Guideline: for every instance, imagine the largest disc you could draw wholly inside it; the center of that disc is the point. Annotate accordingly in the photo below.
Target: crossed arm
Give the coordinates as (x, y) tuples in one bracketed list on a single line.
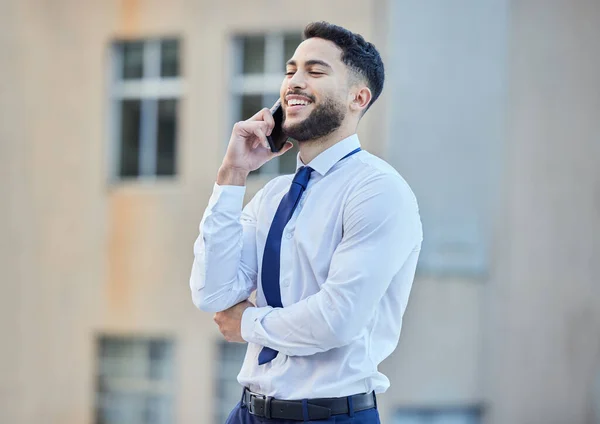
[(381, 230)]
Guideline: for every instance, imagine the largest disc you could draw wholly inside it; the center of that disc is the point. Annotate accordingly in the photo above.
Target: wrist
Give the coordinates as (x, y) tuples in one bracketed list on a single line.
[(230, 175)]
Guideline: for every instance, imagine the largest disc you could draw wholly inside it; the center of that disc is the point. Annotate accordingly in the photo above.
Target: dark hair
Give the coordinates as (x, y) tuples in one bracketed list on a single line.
[(359, 55)]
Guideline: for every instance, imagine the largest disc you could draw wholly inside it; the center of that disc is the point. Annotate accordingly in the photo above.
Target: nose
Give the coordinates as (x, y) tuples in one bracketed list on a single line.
[(297, 81)]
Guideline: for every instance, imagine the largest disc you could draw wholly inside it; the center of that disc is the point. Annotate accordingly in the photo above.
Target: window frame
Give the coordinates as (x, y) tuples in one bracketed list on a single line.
[(230, 358), (141, 386), (149, 90)]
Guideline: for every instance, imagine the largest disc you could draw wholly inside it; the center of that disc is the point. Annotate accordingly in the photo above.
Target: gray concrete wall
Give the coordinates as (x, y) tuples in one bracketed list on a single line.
[(543, 334), (446, 102)]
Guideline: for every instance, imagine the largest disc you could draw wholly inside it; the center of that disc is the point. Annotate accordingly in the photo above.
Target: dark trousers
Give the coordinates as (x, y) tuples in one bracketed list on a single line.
[(240, 415)]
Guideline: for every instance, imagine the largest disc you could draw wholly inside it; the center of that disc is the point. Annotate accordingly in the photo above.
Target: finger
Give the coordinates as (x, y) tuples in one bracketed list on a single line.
[(246, 127), (261, 136), (252, 131), (270, 123), (261, 115), (264, 115), (259, 132)]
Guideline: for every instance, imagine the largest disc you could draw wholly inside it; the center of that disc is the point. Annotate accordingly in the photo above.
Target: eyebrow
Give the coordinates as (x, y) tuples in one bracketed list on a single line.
[(310, 63)]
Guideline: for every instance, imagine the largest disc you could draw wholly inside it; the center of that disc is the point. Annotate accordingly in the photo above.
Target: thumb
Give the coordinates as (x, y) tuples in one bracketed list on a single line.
[(287, 146)]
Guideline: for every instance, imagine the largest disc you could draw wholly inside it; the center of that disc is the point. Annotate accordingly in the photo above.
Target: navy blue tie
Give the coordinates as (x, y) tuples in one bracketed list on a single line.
[(272, 255)]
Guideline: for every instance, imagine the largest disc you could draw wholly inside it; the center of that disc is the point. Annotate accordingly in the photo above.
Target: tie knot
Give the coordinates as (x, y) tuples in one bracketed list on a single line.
[(302, 176)]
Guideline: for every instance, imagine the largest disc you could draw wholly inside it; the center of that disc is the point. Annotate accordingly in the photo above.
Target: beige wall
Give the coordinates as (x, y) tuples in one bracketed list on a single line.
[(84, 257), (12, 216)]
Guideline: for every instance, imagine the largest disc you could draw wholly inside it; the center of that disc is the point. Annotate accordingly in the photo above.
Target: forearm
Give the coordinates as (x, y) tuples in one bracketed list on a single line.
[(302, 329), (329, 319)]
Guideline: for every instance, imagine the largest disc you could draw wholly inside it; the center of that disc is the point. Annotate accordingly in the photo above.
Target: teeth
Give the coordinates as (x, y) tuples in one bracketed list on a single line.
[(295, 102)]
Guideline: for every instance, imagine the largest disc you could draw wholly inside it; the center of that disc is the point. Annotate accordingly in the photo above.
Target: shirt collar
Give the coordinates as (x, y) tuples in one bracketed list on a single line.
[(325, 160)]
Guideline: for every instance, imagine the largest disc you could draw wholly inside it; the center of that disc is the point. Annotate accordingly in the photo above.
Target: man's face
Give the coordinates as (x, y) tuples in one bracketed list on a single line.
[(315, 90)]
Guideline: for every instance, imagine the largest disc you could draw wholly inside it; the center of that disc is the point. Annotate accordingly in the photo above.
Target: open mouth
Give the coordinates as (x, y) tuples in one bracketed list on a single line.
[(294, 105)]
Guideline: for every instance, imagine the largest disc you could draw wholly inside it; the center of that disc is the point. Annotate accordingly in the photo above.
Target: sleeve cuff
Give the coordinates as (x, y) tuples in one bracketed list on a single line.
[(250, 319), (230, 198)]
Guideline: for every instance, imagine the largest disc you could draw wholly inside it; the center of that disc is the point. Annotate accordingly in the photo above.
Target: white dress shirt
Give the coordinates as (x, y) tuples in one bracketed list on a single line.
[(348, 259)]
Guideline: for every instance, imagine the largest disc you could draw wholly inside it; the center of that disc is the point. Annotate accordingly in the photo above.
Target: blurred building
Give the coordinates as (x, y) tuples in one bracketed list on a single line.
[(115, 116)]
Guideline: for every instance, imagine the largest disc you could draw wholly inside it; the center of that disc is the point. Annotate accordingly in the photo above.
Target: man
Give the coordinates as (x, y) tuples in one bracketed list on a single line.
[(332, 252)]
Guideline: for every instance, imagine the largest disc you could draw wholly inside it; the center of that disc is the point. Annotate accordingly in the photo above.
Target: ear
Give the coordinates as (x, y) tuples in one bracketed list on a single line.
[(361, 97)]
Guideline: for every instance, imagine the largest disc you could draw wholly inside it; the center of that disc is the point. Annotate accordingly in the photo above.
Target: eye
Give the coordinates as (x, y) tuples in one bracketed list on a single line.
[(317, 73), (289, 73)]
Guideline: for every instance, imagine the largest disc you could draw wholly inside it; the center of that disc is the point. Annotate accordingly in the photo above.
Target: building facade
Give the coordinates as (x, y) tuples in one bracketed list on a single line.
[(115, 117)]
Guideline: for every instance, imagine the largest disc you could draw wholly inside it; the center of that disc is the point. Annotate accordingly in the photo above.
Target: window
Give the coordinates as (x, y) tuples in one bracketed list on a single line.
[(438, 416), (135, 381), (259, 68), (229, 391), (145, 92)]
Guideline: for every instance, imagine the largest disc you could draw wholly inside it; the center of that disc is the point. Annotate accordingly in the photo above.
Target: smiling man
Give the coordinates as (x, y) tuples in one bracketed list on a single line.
[(331, 251)]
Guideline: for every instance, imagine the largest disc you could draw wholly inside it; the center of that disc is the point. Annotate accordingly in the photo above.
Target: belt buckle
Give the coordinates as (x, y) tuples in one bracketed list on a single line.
[(254, 396)]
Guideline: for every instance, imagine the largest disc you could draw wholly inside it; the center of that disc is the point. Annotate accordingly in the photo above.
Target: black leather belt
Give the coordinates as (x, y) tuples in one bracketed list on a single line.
[(318, 409)]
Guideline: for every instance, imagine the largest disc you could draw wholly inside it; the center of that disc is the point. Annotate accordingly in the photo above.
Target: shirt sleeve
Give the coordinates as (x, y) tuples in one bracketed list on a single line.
[(381, 230), (225, 264)]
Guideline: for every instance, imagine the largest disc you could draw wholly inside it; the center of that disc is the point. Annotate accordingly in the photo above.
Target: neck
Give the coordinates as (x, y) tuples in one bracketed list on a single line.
[(310, 149)]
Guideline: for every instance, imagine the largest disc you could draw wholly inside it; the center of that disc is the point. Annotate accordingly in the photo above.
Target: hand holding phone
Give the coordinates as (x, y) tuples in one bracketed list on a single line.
[(254, 142), (277, 139)]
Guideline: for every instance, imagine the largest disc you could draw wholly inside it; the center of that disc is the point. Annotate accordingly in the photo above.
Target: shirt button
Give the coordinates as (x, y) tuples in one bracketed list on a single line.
[(289, 235), (285, 282)]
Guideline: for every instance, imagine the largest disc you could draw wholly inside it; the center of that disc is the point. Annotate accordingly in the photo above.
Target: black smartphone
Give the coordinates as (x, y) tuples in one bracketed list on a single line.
[(277, 138)]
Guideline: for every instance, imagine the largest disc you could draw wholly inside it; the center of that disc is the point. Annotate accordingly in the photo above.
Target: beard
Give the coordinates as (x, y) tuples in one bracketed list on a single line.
[(322, 121)]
